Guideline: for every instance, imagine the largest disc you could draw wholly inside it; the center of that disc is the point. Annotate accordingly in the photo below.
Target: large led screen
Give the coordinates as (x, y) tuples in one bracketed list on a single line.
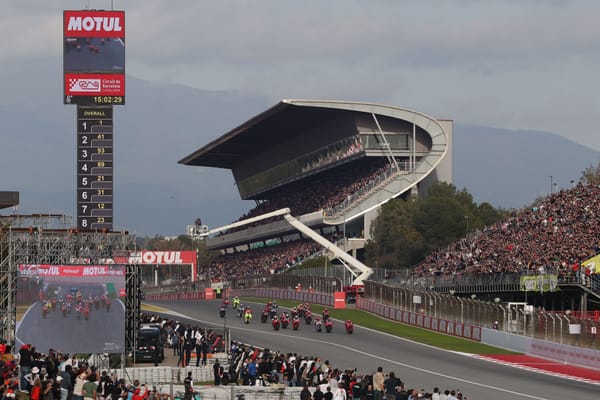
[(71, 308), (94, 57)]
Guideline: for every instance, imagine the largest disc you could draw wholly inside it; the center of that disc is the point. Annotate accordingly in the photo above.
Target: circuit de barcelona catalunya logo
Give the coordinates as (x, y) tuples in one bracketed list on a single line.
[(80, 85)]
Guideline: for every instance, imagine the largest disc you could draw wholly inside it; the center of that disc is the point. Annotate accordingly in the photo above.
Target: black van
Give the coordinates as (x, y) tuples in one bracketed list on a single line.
[(149, 345)]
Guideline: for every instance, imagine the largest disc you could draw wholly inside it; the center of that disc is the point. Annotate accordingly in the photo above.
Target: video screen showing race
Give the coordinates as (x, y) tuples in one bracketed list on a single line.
[(94, 55), (71, 308)]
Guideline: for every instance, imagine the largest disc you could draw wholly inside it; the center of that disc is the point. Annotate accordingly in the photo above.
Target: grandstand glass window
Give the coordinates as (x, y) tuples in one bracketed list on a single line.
[(337, 152), (397, 141)]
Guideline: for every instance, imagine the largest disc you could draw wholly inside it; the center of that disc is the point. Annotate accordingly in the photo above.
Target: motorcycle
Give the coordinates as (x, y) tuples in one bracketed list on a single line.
[(64, 310), (222, 312), (349, 327), (318, 326), (325, 315), (86, 313), (328, 326), (284, 323), (295, 324), (240, 312), (247, 318), (264, 316), (44, 311), (308, 318), (275, 324)]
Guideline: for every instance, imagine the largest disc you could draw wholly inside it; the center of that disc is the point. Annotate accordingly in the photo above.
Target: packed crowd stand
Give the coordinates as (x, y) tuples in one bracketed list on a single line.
[(54, 376), (321, 191), (262, 261), (552, 237)]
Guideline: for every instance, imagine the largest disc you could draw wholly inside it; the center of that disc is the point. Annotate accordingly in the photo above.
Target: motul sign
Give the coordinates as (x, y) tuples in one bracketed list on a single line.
[(163, 257), (94, 23)]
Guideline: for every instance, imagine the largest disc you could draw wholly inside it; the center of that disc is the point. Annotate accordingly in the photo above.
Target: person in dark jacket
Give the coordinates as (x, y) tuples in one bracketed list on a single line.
[(305, 393)]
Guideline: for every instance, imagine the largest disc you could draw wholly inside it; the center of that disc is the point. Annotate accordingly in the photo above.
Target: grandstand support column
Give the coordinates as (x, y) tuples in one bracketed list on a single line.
[(583, 302), (390, 155), (365, 272)]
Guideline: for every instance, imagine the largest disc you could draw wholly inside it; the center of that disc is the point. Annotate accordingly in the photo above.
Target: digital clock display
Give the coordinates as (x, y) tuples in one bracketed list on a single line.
[(94, 167), (95, 100)]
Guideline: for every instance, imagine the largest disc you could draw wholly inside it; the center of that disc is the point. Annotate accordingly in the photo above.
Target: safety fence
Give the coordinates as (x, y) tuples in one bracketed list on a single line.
[(461, 313), (450, 327), (304, 297)]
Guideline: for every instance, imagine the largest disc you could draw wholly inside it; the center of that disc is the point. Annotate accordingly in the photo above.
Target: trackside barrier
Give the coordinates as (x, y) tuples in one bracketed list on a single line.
[(177, 296), (421, 320), (312, 298)]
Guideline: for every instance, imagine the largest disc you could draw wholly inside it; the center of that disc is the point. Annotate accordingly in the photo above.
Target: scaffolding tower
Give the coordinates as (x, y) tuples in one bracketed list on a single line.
[(47, 239)]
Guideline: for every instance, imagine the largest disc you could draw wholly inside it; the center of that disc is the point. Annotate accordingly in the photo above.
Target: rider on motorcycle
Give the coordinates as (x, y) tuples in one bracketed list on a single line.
[(328, 325), (236, 302), (285, 319), (275, 323), (308, 317), (247, 315), (349, 326), (318, 325), (325, 314), (295, 322)]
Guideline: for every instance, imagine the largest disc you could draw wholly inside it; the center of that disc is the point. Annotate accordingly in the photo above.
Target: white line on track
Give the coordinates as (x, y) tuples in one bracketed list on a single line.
[(511, 392)]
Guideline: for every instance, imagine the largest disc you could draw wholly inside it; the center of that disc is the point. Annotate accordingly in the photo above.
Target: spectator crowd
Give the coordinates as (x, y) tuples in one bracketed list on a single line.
[(554, 236), (321, 379), (261, 261), (321, 191), (56, 376)]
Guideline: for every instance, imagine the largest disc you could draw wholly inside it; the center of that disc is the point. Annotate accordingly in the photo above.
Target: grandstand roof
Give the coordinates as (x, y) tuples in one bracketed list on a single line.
[(9, 199), (286, 119), (275, 125)]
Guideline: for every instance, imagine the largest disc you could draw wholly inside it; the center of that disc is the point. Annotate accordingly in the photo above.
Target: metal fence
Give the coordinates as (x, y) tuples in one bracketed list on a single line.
[(517, 318)]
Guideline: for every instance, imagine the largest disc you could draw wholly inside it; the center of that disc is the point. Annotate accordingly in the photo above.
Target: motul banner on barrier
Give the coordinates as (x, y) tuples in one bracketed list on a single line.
[(69, 270)]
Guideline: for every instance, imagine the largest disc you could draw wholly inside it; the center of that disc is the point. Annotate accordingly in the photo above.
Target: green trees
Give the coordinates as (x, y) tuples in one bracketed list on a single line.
[(591, 175), (406, 230)]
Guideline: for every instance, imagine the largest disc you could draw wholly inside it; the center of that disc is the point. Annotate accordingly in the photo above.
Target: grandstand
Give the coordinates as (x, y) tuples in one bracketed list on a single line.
[(9, 199), (333, 164)]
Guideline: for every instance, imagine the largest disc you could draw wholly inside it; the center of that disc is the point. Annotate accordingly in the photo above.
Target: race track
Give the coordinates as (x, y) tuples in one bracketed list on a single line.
[(418, 365)]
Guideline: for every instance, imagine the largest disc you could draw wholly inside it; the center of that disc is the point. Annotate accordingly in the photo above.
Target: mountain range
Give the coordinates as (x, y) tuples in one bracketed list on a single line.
[(162, 123)]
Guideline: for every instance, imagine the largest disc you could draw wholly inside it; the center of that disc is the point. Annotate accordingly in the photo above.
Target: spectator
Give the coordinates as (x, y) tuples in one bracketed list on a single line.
[(305, 393)]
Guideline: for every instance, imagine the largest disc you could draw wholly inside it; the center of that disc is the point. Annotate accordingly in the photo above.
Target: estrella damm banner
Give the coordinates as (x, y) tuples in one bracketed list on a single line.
[(539, 283)]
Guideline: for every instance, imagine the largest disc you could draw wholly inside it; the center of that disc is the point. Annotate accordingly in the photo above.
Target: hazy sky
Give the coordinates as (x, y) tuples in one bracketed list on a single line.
[(516, 64), (526, 64)]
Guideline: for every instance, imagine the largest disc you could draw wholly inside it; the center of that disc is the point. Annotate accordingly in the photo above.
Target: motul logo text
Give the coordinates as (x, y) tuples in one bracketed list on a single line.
[(94, 24)]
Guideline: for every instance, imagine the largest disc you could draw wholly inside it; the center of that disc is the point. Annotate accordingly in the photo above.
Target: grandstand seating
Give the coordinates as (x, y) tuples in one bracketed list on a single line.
[(260, 261), (553, 236), (325, 190)]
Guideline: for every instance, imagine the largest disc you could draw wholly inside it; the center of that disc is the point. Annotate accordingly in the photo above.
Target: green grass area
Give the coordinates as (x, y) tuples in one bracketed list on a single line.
[(363, 318)]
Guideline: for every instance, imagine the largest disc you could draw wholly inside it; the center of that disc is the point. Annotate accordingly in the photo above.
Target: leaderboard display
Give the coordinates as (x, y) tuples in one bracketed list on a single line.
[(94, 167)]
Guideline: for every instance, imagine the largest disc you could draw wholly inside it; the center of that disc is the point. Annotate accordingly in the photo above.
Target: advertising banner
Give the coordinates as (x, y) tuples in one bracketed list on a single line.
[(94, 57), (539, 283)]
